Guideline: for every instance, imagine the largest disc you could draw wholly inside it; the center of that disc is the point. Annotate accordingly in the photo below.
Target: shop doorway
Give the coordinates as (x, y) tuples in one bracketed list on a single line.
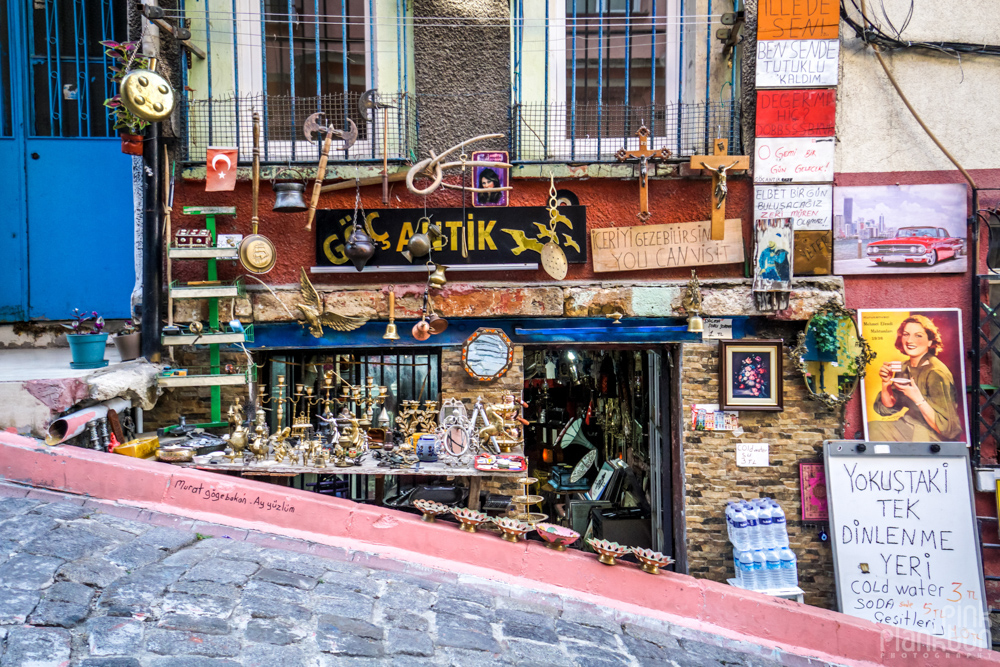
[(604, 433)]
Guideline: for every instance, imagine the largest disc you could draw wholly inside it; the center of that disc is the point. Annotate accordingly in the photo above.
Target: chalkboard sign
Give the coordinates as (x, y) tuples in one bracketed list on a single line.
[(905, 545)]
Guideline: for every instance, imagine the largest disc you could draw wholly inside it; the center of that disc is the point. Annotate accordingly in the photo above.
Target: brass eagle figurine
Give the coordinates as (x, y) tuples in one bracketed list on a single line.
[(316, 317)]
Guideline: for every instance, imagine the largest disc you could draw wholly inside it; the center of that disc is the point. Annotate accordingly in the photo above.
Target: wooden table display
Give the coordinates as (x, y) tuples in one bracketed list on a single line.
[(367, 467)]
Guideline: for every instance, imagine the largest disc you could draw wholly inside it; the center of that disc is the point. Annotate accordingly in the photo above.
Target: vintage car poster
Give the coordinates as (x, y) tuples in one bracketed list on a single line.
[(914, 387), (879, 229)]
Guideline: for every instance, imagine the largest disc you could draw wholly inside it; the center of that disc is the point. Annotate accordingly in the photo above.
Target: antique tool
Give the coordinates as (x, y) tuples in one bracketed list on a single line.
[(554, 257), (437, 279), (644, 155), (315, 316), (421, 243), (312, 131), (434, 161), (257, 254), (147, 94), (288, 198), (369, 102), (390, 331)]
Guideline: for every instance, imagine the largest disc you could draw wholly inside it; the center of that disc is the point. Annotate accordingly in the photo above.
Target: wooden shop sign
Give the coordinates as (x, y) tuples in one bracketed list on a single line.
[(796, 113), (665, 246), (511, 235)]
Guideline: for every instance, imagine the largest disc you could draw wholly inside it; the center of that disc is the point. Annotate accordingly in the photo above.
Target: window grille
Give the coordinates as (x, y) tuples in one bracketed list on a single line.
[(287, 59)]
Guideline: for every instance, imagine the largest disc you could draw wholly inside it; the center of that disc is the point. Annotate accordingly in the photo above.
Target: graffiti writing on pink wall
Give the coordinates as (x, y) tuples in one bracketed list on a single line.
[(238, 498)]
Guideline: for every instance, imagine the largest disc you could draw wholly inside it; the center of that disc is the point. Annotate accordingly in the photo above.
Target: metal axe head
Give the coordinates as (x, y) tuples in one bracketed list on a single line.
[(349, 136)]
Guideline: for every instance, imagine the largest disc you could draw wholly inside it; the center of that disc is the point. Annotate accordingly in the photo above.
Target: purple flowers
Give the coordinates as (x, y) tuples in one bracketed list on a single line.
[(85, 323), (751, 378)]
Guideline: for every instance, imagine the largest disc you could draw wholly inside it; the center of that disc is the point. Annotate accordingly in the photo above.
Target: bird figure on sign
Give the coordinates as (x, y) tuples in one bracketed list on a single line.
[(315, 316)]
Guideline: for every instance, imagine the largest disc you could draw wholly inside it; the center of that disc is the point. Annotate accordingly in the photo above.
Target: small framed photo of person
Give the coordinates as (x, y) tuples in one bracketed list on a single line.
[(490, 177), (750, 375)]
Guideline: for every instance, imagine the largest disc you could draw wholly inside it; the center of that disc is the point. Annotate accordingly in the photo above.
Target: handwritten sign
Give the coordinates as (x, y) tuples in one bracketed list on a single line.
[(665, 246), (904, 538), (251, 501), (796, 113), (717, 328), (798, 63), (793, 160), (809, 206), (798, 19), (753, 454)]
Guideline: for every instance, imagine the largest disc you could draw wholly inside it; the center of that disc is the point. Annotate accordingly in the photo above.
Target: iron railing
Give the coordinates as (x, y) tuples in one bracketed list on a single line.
[(594, 133), (390, 132)]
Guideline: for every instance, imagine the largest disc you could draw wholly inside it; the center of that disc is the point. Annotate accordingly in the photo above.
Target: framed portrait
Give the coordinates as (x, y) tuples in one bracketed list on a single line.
[(490, 177), (914, 387), (750, 375)]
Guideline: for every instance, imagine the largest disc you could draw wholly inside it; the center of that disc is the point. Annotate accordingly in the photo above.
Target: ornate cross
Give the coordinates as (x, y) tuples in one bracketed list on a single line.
[(719, 164), (644, 155)]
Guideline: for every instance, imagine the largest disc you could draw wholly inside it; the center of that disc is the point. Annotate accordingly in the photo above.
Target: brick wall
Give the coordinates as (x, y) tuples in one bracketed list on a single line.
[(192, 402), (712, 477)]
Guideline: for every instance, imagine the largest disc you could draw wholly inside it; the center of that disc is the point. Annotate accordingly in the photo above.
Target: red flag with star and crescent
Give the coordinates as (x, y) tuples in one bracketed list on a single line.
[(221, 174)]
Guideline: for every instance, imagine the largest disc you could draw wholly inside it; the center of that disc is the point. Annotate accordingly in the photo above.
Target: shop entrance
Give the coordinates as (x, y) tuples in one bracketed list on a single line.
[(601, 429)]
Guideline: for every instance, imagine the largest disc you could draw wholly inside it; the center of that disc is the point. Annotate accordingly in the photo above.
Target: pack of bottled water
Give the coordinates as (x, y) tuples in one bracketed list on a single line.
[(759, 535)]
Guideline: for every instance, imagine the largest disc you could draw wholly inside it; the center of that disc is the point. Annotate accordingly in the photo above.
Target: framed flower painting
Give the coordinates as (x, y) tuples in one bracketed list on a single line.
[(750, 375)]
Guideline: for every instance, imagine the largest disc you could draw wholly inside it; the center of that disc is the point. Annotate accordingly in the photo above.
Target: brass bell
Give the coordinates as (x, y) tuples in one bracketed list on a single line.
[(288, 198), (422, 330), (391, 332), (695, 324), (437, 279)]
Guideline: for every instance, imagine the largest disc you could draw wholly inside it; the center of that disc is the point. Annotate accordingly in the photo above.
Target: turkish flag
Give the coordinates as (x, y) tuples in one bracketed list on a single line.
[(221, 169)]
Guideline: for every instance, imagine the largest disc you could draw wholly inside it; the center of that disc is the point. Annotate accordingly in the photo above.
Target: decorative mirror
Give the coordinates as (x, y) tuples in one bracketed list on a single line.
[(487, 355), (832, 354)]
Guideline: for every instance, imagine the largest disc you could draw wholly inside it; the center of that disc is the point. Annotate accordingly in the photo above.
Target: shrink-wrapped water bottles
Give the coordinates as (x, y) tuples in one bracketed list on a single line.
[(758, 533)]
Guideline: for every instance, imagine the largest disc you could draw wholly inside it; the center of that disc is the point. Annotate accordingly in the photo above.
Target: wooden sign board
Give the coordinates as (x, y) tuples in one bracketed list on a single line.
[(809, 206), (796, 113), (813, 253), (793, 160), (798, 63), (798, 19), (665, 246), (905, 543)]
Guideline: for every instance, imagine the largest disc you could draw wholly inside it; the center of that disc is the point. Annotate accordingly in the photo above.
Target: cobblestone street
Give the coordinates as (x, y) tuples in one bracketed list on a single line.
[(83, 587)]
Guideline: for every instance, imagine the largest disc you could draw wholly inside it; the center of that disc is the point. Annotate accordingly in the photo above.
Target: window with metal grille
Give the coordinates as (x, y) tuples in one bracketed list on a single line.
[(589, 73), (287, 59)]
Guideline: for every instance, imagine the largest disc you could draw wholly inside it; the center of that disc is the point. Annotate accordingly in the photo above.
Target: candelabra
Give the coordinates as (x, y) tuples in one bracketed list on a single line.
[(302, 398), (277, 399)]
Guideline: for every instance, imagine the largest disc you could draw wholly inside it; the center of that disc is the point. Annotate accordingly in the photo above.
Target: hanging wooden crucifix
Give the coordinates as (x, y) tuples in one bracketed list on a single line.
[(719, 164), (644, 155)]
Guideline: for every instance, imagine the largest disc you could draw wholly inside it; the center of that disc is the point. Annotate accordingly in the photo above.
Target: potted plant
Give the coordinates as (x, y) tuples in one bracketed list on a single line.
[(87, 340), (123, 54), (127, 341)]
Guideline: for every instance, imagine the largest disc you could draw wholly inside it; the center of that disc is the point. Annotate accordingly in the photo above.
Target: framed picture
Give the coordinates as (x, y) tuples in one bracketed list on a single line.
[(601, 482), (812, 476), (892, 229), (750, 375), (490, 177), (914, 388)]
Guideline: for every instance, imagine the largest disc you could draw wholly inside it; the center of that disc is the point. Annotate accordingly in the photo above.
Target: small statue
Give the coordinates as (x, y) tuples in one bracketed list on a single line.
[(692, 296), (721, 187)]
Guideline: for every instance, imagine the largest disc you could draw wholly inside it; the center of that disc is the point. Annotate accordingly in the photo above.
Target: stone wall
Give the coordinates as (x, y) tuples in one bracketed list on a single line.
[(712, 477)]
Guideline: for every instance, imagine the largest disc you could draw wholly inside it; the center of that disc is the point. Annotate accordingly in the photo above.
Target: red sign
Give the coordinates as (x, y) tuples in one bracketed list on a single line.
[(796, 113), (220, 172), (798, 19)]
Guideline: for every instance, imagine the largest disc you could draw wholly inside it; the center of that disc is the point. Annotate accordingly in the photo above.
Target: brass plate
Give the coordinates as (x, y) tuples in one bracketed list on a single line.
[(527, 500), (148, 95)]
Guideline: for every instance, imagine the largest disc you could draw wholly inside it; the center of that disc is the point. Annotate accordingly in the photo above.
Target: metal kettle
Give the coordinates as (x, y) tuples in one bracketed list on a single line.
[(359, 247), (420, 244)]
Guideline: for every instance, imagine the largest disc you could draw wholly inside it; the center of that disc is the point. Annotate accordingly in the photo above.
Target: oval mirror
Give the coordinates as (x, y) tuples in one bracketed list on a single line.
[(832, 354)]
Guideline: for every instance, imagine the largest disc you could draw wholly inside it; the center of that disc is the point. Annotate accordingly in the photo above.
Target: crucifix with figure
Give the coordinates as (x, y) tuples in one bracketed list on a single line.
[(719, 164), (644, 155)]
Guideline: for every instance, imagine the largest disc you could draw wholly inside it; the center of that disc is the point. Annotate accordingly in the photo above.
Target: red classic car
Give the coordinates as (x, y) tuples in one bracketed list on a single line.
[(916, 245)]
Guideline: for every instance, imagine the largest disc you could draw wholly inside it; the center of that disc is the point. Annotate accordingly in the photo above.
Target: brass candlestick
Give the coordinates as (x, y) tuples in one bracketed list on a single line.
[(276, 399)]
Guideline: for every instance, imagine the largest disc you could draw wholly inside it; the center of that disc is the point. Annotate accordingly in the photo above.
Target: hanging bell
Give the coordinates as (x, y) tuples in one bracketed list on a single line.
[(422, 330), (437, 324), (391, 332), (359, 248), (288, 198), (437, 279), (696, 324)]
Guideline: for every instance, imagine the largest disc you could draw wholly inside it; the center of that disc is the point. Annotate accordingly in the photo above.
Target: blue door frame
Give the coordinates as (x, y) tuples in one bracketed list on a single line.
[(66, 211)]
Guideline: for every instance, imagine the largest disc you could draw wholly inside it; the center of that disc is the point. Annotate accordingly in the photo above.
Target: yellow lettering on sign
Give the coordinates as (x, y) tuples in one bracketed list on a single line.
[(336, 255), (484, 235), (453, 231), (472, 232), (404, 236)]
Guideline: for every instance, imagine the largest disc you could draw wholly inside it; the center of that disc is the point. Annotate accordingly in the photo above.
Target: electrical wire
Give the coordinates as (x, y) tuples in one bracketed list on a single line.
[(871, 33)]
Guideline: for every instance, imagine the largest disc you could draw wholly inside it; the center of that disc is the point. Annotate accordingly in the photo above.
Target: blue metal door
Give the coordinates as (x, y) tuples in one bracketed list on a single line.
[(66, 213)]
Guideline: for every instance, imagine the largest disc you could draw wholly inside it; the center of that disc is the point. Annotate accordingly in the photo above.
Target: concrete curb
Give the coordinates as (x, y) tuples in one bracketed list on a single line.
[(209, 500)]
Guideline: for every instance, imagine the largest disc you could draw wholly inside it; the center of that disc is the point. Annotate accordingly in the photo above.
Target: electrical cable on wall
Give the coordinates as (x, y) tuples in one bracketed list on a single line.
[(873, 35)]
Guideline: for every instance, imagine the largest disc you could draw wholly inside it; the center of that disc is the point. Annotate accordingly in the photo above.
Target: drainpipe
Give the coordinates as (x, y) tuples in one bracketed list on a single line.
[(152, 246)]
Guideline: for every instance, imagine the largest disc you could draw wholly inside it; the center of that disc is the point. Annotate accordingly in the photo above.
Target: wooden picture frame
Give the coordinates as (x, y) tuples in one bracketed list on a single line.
[(751, 375), (487, 354)]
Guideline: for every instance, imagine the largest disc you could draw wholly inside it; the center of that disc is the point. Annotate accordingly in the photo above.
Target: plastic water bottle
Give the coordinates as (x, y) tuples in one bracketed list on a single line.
[(759, 570), (772, 563), (765, 524), (730, 506), (779, 529), (740, 538), (753, 529), (736, 567), (748, 579), (789, 568)]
